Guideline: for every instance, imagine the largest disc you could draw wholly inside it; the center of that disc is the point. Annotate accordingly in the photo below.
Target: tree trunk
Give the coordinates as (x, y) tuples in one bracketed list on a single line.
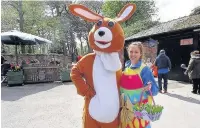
[(79, 37), (88, 46), (89, 49)]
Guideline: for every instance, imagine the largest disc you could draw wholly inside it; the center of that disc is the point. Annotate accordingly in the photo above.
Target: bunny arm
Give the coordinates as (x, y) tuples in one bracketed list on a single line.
[(76, 76), (83, 70), (79, 72)]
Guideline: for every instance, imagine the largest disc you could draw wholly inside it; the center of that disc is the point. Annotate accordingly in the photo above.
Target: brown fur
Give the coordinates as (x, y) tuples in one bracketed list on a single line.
[(81, 73)]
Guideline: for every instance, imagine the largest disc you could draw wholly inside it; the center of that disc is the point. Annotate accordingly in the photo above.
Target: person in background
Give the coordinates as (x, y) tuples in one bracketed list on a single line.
[(3, 60), (154, 70), (193, 71), (78, 58), (5, 67), (163, 64)]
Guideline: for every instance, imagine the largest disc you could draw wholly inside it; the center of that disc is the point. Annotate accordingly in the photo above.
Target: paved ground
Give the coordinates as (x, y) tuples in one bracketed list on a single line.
[(57, 105), (182, 108)]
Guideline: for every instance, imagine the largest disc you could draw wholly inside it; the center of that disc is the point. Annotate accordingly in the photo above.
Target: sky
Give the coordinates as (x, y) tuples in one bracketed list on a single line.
[(173, 9)]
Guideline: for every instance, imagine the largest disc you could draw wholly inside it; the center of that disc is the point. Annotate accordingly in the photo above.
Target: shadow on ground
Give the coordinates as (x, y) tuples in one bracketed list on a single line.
[(18, 92), (187, 99)]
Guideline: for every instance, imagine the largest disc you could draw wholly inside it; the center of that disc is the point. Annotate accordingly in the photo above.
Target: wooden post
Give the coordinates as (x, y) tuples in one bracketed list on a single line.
[(16, 54)]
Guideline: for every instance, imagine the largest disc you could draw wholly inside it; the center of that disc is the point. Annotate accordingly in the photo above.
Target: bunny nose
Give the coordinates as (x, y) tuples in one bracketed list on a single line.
[(101, 33)]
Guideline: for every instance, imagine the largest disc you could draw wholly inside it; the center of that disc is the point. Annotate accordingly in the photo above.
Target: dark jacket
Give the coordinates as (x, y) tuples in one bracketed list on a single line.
[(163, 61), (193, 69)]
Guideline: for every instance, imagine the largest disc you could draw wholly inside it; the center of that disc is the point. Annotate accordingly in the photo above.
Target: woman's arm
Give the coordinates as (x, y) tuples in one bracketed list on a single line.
[(147, 76), (190, 66)]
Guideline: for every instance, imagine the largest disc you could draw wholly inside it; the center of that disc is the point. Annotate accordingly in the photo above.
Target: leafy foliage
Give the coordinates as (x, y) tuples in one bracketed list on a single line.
[(52, 20), (141, 19)]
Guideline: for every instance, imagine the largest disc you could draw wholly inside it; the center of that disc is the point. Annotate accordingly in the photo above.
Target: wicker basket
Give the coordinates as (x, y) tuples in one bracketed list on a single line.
[(147, 111)]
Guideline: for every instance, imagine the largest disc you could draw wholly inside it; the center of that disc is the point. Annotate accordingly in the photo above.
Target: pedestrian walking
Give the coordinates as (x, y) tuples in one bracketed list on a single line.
[(163, 64)]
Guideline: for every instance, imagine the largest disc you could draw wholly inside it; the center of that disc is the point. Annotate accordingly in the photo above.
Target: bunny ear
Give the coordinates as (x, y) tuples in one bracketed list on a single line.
[(126, 12), (85, 13)]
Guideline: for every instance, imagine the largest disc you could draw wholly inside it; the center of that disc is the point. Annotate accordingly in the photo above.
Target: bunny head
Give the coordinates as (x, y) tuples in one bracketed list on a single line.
[(107, 34)]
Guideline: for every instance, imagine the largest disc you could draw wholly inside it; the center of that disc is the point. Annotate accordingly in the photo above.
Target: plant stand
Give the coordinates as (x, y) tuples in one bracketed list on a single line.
[(65, 75), (15, 78)]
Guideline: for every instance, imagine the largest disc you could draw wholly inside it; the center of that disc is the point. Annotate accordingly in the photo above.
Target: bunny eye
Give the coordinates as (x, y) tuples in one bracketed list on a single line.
[(99, 23), (111, 23)]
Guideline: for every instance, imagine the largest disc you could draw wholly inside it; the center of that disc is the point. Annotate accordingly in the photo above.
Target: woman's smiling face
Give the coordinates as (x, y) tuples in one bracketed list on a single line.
[(134, 53)]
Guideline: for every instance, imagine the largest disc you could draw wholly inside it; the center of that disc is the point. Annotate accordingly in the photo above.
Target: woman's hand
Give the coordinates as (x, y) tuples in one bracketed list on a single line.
[(148, 87), (90, 93), (185, 73)]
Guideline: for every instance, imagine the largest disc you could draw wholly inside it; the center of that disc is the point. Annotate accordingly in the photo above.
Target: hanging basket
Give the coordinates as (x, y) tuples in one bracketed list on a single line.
[(149, 112)]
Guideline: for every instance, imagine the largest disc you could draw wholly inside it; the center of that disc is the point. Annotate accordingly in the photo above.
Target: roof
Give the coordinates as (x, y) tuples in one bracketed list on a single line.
[(173, 25)]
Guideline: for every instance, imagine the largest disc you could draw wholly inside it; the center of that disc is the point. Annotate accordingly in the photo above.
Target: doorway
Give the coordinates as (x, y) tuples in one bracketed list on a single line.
[(178, 54)]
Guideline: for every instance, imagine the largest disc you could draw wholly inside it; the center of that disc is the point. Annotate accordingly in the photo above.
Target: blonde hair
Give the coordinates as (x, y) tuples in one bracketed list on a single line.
[(140, 46)]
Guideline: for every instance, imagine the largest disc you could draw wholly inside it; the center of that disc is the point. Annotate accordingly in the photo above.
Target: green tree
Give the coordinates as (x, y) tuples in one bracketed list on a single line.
[(141, 19), (29, 17), (81, 27), (195, 11)]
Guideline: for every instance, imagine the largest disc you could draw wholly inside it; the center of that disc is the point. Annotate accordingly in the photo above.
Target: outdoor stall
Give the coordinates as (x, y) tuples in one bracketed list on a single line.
[(36, 68)]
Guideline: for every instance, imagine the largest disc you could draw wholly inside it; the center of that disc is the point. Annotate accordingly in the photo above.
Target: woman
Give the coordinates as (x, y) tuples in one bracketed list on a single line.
[(136, 78), (193, 71)]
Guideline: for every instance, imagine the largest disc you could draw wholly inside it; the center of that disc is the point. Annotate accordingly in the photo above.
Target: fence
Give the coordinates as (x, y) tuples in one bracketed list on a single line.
[(41, 73)]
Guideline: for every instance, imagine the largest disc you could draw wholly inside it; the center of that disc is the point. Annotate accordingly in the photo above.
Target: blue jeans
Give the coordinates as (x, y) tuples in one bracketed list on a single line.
[(148, 126), (165, 78)]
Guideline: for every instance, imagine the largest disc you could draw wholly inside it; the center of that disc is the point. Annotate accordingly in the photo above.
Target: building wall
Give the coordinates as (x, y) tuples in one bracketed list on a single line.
[(178, 54), (149, 53)]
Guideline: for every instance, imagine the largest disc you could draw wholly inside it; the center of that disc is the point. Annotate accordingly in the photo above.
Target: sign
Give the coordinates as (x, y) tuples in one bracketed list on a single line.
[(186, 41)]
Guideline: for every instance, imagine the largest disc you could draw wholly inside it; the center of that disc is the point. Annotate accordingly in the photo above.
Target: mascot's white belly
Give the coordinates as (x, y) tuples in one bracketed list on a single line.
[(104, 106)]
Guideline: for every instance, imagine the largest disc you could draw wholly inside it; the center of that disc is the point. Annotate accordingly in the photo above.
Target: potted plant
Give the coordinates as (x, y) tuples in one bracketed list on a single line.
[(65, 73), (15, 76)]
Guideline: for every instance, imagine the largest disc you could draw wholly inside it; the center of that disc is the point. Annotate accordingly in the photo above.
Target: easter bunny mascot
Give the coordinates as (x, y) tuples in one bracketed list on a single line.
[(96, 75)]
